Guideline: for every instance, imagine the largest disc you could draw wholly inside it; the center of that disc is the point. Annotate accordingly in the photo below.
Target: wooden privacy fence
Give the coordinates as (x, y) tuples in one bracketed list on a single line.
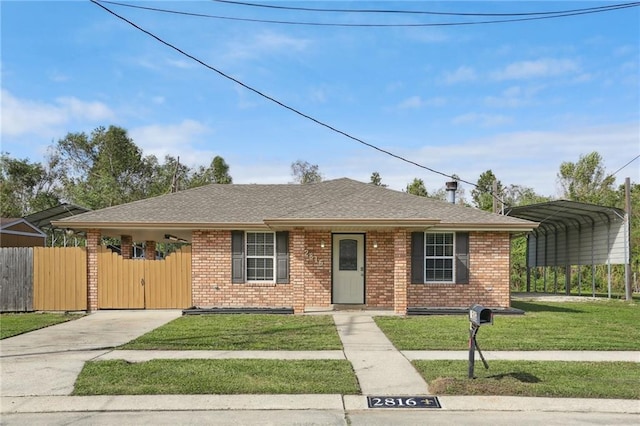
[(60, 278), (55, 279), (16, 280), (144, 284)]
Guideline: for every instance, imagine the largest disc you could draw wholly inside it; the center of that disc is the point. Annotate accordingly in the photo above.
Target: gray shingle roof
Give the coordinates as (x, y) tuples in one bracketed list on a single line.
[(339, 199)]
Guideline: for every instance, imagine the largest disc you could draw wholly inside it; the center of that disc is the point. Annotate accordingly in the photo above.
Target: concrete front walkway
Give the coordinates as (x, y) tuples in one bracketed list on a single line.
[(380, 368)]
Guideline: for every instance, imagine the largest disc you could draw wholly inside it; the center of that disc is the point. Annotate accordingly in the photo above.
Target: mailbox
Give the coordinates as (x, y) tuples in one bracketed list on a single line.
[(479, 315)]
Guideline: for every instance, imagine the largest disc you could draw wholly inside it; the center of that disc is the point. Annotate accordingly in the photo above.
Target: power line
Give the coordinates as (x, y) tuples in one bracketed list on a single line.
[(547, 15), (630, 161), (259, 93), (415, 12)]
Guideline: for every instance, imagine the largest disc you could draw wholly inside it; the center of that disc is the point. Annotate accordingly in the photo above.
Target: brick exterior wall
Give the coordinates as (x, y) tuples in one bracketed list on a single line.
[(388, 269), (211, 276), (317, 268), (126, 246), (380, 269), (488, 277), (150, 250), (93, 241)]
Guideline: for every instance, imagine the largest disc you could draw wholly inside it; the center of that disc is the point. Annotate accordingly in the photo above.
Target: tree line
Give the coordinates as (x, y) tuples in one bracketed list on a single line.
[(106, 168), (102, 169)]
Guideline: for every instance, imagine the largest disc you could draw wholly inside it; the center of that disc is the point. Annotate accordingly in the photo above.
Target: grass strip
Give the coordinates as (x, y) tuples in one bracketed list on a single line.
[(14, 324), (534, 378), (242, 332), (224, 377), (601, 325)]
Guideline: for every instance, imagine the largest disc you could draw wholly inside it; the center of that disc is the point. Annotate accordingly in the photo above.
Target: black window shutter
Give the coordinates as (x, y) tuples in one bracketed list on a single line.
[(282, 257), (417, 257), (237, 257), (462, 258)]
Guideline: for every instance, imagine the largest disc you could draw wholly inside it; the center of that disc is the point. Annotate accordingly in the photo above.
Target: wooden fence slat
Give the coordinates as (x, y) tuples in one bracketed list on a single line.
[(16, 279)]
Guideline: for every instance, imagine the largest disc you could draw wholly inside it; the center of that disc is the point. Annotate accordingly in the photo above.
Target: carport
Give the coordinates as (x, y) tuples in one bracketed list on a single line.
[(575, 234)]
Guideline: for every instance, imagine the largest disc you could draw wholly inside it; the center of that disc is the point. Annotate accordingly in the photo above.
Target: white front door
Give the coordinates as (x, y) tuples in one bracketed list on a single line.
[(348, 268)]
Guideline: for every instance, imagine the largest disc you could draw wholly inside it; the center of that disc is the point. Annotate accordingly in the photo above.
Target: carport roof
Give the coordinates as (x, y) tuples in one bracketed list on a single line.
[(565, 213), (43, 219)]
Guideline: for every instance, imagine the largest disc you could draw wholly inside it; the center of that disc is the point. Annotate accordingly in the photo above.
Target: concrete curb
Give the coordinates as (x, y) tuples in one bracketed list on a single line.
[(60, 404)]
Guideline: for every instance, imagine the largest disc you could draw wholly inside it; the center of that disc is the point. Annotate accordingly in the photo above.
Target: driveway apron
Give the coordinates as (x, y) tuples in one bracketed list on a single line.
[(48, 361)]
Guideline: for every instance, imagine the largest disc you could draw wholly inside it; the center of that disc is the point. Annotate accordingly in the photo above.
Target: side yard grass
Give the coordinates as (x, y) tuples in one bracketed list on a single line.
[(531, 378), (14, 324), (242, 332), (599, 326)]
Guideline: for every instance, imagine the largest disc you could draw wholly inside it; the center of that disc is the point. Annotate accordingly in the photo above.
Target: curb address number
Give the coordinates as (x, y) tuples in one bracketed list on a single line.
[(403, 402)]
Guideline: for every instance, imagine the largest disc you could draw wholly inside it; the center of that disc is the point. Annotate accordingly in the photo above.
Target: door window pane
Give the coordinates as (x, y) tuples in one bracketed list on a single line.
[(348, 255)]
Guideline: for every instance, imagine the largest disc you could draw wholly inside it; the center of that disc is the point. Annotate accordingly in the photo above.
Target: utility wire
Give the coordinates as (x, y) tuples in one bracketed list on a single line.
[(320, 24), (414, 12), (630, 161), (259, 93)]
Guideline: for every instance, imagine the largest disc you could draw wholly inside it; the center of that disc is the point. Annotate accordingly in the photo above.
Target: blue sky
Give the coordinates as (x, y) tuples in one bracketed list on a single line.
[(518, 98)]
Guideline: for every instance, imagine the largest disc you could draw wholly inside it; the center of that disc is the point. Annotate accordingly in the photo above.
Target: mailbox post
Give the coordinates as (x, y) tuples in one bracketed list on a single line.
[(478, 316)]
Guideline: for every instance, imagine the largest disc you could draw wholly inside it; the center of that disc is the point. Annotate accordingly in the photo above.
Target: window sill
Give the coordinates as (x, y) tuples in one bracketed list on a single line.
[(260, 284)]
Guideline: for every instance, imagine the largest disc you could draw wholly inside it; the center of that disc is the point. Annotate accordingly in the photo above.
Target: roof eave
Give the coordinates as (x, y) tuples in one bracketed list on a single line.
[(159, 225)]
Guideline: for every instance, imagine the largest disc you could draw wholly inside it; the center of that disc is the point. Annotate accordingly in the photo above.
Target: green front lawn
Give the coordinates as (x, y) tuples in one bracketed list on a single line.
[(599, 326), (242, 332), (529, 378), (14, 324), (224, 377)]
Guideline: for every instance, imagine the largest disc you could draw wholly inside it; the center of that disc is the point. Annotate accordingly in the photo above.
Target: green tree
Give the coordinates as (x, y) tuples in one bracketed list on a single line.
[(304, 173), (27, 187), (482, 193), (377, 180), (417, 188), (518, 195), (217, 172), (586, 181), (105, 168)]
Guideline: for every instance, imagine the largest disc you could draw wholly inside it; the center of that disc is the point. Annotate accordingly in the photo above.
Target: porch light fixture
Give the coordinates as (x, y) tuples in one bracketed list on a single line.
[(174, 238), (321, 243), (375, 244)]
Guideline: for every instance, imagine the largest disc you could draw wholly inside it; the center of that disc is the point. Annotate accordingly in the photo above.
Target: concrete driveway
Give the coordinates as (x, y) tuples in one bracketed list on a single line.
[(47, 361)]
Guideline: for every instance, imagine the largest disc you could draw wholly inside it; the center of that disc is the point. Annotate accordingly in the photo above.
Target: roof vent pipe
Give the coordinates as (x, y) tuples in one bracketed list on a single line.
[(451, 191)]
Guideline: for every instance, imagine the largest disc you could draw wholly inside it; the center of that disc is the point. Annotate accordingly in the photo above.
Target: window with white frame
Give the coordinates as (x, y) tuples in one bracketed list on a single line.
[(439, 257), (260, 252)]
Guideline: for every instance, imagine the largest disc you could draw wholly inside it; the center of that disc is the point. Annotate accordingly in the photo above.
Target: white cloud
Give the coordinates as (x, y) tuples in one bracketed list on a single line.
[(173, 139), (415, 102), (23, 116), (514, 97), (546, 67), (484, 120), (460, 75), (265, 43), (411, 103)]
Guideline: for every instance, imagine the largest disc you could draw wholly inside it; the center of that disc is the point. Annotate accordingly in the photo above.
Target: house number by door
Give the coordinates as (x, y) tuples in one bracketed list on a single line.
[(309, 255)]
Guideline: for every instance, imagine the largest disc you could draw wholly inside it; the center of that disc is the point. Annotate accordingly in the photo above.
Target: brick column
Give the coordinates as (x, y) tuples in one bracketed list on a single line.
[(93, 241), (400, 275), (150, 250), (126, 246), (296, 269)]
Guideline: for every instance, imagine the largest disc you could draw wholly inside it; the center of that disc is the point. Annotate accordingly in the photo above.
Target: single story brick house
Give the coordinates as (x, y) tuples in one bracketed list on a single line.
[(318, 245)]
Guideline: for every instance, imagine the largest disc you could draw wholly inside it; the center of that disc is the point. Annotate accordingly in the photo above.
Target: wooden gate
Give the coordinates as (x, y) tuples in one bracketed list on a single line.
[(144, 284), (59, 278)]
